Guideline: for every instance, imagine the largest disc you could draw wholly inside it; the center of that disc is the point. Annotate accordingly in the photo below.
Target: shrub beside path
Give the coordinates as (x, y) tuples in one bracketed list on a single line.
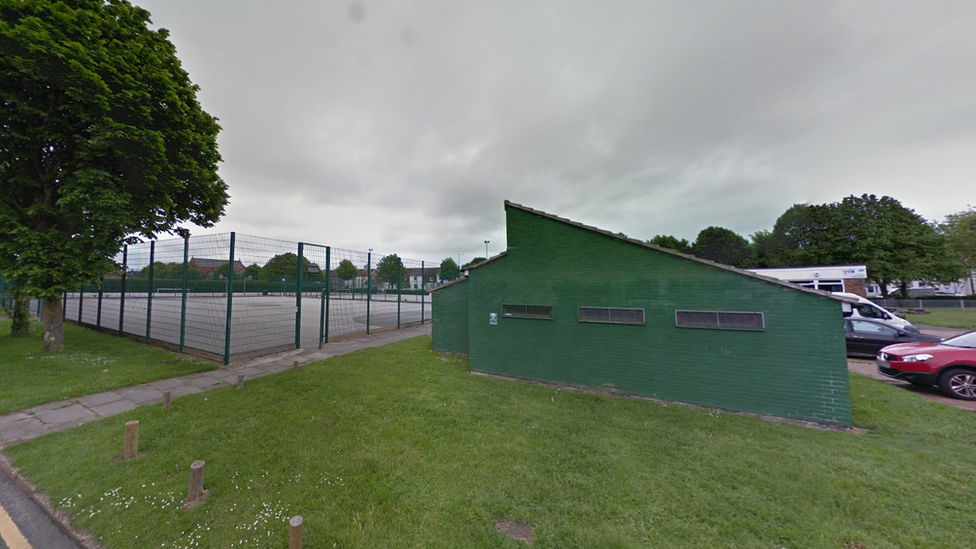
[(58, 416)]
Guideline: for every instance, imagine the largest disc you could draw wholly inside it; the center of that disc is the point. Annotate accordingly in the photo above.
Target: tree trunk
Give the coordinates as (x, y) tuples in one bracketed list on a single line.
[(903, 289), (53, 326), (21, 318), (883, 286)]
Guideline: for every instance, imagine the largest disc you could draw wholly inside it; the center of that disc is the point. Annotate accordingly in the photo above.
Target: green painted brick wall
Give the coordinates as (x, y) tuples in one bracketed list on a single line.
[(796, 368), (449, 319)]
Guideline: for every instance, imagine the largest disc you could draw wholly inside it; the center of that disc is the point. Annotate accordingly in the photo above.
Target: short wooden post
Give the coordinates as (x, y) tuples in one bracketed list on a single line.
[(295, 532), (131, 440), (196, 481), (294, 366), (166, 398), (240, 381)]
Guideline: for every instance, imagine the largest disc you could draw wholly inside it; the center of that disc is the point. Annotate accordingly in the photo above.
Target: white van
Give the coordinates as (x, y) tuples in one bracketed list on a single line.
[(865, 308)]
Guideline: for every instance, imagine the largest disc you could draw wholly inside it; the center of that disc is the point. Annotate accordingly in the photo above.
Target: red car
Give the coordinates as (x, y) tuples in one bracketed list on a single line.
[(950, 364)]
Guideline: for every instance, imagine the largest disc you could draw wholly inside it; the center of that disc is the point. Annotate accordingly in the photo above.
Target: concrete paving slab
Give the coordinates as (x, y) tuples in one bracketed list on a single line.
[(66, 417), (99, 399), (184, 390), (201, 381), (13, 418), (52, 406), (227, 377), (167, 384), (114, 407), (249, 372), (142, 394), (26, 430)]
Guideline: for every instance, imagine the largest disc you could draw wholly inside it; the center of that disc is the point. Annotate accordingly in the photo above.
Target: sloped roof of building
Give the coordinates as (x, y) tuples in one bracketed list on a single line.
[(668, 251), (214, 263)]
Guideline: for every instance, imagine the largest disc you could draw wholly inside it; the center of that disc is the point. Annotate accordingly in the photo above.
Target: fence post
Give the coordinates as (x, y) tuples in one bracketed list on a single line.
[(101, 292), (230, 298), (324, 314), (152, 259), (369, 285), (125, 268), (186, 265), (423, 291), (399, 287), (81, 302), (298, 296), (64, 305)]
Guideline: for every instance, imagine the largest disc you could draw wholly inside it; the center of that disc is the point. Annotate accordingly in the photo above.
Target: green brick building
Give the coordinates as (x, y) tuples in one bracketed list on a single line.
[(575, 305)]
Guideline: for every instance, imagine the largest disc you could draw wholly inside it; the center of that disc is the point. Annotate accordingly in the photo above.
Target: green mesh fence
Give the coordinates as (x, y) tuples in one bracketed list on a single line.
[(234, 296)]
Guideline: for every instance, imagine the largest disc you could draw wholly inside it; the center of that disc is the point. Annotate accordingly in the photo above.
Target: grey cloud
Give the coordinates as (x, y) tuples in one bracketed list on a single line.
[(642, 117)]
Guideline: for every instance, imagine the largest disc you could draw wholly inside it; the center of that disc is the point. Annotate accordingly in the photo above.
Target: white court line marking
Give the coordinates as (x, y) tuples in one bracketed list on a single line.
[(10, 533)]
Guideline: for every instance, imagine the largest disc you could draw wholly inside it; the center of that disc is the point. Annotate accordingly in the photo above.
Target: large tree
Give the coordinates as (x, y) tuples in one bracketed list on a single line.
[(672, 243), (390, 269), (347, 270), (897, 245), (285, 264), (960, 232), (722, 245), (449, 269), (102, 141)]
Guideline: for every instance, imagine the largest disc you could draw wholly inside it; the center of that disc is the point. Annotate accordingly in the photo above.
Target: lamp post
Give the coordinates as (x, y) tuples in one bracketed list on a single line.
[(486, 248)]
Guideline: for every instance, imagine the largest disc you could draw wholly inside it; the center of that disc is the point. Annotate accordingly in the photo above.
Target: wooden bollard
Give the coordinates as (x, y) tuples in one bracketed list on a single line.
[(240, 381), (166, 398), (295, 532), (196, 481), (131, 440), (294, 366)]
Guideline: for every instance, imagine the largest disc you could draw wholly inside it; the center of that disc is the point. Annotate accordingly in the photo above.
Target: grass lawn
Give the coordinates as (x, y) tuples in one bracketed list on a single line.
[(949, 317), (400, 447), (91, 363)]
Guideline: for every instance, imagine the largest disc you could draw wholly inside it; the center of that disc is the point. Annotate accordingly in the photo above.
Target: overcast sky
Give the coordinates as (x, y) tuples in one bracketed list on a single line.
[(402, 125)]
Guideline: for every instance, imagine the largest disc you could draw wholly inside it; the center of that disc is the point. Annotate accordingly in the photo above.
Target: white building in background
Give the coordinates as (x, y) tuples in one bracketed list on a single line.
[(833, 278), (423, 278)]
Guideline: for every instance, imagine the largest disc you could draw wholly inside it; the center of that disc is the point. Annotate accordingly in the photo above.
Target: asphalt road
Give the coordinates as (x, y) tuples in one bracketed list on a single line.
[(22, 523)]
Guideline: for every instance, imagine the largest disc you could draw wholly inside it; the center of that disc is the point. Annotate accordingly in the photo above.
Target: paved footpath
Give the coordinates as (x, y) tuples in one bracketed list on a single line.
[(58, 416)]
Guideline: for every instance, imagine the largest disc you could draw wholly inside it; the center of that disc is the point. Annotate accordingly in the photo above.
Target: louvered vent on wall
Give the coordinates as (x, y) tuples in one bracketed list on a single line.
[(611, 315), (527, 311), (723, 320)]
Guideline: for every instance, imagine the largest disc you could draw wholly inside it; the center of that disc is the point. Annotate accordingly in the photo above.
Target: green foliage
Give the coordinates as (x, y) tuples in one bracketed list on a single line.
[(960, 231), (475, 261), (103, 141), (20, 325), (346, 270), (170, 271), (449, 269), (400, 447), (388, 269), (222, 272), (103, 138), (671, 243), (896, 244), (722, 245), (252, 271), (285, 264)]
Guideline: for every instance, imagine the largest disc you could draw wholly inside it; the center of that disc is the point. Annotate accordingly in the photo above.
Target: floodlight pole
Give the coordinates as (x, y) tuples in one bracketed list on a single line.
[(486, 248), (369, 285)]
